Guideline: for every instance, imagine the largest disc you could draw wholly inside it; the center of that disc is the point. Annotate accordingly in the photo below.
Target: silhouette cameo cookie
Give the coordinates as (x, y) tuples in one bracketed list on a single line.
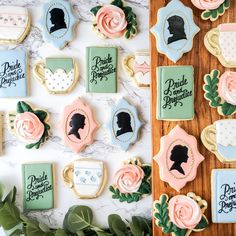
[(58, 22), (124, 125), (175, 30), (178, 158), (78, 125), (180, 215)]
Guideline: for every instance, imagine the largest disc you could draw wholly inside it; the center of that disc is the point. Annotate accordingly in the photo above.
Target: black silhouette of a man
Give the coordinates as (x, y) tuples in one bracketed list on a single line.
[(179, 155), (57, 19), (124, 123), (176, 28), (77, 122)]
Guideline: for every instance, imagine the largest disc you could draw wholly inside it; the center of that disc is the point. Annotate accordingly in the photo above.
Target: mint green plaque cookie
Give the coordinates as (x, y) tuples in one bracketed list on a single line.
[(175, 93), (38, 189), (102, 69)]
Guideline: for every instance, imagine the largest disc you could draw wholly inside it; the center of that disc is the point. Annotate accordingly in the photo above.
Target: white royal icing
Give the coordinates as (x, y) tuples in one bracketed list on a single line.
[(59, 81), (13, 22), (227, 42), (226, 132)]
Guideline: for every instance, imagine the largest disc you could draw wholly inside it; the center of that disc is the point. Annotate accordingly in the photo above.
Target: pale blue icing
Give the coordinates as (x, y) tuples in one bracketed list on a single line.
[(228, 153), (13, 73), (224, 195)]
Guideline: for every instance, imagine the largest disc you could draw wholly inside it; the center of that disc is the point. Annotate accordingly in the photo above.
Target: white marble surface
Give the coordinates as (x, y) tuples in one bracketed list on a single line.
[(54, 150)]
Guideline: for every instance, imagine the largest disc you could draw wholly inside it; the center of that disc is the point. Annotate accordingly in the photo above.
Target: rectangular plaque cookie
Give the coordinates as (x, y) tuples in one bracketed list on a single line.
[(175, 93), (102, 69), (38, 189)]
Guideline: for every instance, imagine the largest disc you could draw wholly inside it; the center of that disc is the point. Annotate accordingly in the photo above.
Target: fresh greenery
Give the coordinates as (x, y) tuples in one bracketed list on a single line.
[(132, 26), (78, 221), (42, 115), (216, 13), (211, 94), (161, 214)]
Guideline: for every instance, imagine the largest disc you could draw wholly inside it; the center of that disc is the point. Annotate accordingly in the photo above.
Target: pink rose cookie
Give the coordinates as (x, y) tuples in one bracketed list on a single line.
[(178, 158), (114, 20), (180, 215), (220, 91), (132, 181), (29, 125), (78, 125), (213, 9)]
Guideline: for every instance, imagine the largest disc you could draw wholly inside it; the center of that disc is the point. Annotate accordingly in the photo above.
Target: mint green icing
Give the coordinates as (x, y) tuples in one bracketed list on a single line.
[(53, 64)]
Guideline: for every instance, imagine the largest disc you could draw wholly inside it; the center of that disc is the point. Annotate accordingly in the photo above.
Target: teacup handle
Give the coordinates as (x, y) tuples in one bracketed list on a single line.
[(214, 43), (126, 63), (39, 71), (68, 174), (209, 133)]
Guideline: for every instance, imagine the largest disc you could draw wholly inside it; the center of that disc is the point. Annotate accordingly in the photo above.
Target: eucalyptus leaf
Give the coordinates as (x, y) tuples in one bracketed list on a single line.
[(143, 224), (34, 230), (16, 232), (1, 191), (60, 232), (117, 225), (11, 196), (44, 227)]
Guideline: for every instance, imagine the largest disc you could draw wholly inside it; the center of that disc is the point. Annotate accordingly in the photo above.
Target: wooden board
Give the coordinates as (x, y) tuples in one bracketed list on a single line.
[(203, 63)]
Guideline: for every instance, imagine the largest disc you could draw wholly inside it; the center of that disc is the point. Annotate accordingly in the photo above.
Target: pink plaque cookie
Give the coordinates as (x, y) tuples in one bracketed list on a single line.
[(178, 158), (78, 125)]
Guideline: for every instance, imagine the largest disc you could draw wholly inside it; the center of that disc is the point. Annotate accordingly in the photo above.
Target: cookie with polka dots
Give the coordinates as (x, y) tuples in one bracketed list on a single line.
[(57, 75)]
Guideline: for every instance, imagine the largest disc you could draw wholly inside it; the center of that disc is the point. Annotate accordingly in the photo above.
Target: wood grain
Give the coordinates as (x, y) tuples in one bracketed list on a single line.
[(203, 63)]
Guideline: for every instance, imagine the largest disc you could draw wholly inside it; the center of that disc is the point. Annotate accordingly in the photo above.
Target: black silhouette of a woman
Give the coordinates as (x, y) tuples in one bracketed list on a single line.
[(176, 28), (124, 123), (57, 19), (179, 155), (77, 122)]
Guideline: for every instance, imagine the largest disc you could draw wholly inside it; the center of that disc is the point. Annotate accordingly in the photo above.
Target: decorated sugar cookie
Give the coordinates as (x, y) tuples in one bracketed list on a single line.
[(87, 177), (175, 93), (58, 22), (220, 42), (138, 68), (57, 75), (29, 125), (124, 124), (220, 91), (178, 158), (132, 181), (13, 73), (38, 186), (78, 125), (114, 20), (180, 215), (223, 192), (175, 30), (220, 138), (14, 24), (211, 9)]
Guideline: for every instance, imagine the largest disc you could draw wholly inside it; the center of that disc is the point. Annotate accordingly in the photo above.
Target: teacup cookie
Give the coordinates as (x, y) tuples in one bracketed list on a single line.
[(220, 91), (87, 177), (180, 215), (220, 42), (114, 20), (14, 24), (175, 93), (223, 192), (138, 67), (101, 69), (29, 125), (58, 22), (174, 30), (132, 181), (57, 75), (124, 124), (220, 138), (38, 186), (178, 158), (78, 125), (13, 73)]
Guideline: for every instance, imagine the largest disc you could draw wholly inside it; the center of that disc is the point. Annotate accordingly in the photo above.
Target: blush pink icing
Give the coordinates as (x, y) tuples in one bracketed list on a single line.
[(129, 178), (111, 21), (184, 212), (207, 4), (143, 68), (227, 87), (28, 127)]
